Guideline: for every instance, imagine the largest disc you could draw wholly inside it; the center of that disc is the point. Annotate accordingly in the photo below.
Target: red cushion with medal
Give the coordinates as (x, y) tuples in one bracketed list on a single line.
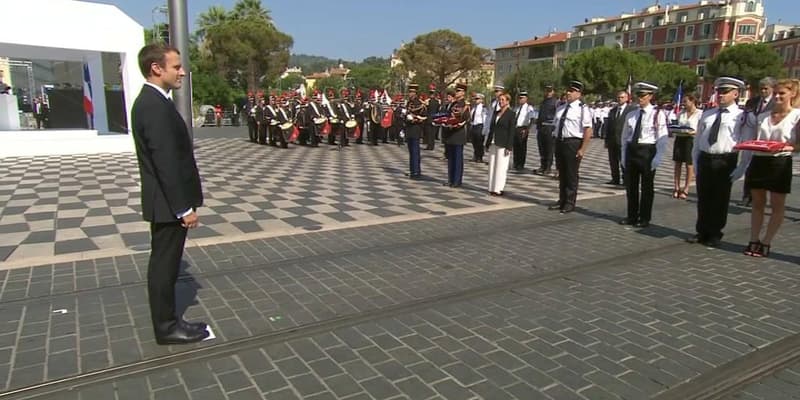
[(765, 146)]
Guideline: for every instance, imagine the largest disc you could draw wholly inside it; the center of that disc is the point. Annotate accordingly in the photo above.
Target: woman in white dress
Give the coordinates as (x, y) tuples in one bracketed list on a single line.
[(682, 150), (502, 134), (772, 172)]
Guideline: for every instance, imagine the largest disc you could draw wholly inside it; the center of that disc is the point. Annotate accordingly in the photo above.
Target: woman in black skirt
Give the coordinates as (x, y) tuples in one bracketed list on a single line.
[(772, 172), (682, 149)]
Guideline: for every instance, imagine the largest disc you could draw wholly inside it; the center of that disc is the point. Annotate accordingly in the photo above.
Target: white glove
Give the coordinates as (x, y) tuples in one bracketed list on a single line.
[(738, 173)]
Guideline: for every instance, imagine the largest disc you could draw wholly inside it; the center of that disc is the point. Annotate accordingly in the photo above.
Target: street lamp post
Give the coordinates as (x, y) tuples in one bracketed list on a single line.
[(179, 38)]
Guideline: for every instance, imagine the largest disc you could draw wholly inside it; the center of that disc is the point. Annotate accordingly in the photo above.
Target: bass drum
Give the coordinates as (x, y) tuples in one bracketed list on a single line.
[(350, 124)]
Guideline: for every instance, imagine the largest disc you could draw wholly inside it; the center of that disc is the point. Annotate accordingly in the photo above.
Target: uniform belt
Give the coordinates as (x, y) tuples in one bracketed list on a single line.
[(641, 144), (569, 138)]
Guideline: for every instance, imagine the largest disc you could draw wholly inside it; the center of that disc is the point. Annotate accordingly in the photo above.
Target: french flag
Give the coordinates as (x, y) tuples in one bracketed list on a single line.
[(87, 91)]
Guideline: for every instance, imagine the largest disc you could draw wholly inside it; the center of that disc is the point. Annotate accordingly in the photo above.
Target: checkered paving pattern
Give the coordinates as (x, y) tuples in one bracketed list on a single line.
[(57, 205)]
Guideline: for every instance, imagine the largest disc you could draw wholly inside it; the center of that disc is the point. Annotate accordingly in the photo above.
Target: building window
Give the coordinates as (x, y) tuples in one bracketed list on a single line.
[(751, 6), (669, 54), (648, 38), (703, 52), (600, 41), (657, 21), (701, 70), (747, 29), (672, 35), (632, 39), (586, 43), (683, 17), (573, 45), (797, 53), (688, 53), (689, 33), (789, 54), (707, 31)]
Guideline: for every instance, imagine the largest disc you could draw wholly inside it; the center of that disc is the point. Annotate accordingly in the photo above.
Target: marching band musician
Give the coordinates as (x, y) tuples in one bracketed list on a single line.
[(333, 117), (303, 122), (284, 127), (261, 121), (398, 120), (347, 116), (315, 117), (361, 117), (433, 108), (415, 118), (455, 137), (275, 134), (250, 111)]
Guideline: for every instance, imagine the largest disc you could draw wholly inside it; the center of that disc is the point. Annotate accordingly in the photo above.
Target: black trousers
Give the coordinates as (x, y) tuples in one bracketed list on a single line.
[(252, 130), (568, 166), (614, 158), (546, 143), (520, 148), (166, 251), (476, 137), (262, 133), (337, 130), (713, 192), (638, 172), (276, 135)]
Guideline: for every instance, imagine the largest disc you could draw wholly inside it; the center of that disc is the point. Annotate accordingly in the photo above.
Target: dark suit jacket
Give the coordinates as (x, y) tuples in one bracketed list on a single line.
[(170, 180), (613, 127), (753, 103), (503, 130)]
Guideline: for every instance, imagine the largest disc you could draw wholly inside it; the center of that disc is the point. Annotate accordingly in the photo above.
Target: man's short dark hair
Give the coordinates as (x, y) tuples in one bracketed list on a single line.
[(154, 53)]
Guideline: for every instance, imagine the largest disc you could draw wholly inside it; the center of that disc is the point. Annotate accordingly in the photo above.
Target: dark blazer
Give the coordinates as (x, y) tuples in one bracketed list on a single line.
[(753, 103), (503, 130), (170, 179), (613, 126)]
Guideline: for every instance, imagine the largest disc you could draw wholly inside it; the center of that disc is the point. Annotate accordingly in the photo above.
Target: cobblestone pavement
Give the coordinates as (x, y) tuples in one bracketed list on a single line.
[(784, 384), (64, 208), (517, 303)]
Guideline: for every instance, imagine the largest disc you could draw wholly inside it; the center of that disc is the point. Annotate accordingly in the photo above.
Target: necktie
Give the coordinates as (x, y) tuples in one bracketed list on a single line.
[(637, 132), (561, 122), (714, 134)]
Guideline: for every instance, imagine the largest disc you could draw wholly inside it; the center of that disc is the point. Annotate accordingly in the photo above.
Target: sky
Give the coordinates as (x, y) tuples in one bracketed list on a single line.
[(355, 29)]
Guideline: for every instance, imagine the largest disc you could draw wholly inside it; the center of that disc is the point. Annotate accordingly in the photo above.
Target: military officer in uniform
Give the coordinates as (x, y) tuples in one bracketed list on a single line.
[(644, 140), (455, 137), (415, 118), (544, 130), (572, 134), (433, 108)]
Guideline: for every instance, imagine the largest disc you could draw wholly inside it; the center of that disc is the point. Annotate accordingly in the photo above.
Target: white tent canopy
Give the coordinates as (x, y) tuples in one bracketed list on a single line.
[(67, 30)]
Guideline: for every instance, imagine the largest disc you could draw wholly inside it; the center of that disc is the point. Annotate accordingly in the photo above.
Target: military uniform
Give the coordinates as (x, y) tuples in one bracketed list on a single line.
[(415, 117), (455, 137)]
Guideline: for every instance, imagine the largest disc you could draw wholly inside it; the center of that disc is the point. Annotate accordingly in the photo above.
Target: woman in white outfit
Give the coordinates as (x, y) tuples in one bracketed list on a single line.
[(502, 134)]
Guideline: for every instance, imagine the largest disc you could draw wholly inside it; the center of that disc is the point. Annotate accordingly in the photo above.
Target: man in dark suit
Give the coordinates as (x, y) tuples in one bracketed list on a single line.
[(613, 135), (171, 189), (40, 112)]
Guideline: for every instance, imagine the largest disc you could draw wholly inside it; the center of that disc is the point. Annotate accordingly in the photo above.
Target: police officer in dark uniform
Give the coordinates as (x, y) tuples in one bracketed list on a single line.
[(455, 137), (416, 116), (573, 133), (433, 108), (250, 111), (545, 124)]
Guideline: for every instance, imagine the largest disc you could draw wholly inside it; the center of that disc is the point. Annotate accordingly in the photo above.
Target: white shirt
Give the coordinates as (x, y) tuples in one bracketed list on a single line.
[(523, 115), (730, 130), (784, 131), (478, 114), (160, 90), (654, 125), (684, 119), (578, 119)]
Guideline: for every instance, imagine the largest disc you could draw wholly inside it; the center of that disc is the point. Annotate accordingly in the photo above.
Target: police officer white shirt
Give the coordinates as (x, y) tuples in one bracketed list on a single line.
[(577, 120), (523, 113), (730, 130), (653, 131)]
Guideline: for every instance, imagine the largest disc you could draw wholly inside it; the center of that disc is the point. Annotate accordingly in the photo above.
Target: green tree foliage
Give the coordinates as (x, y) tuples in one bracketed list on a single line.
[(290, 81), (750, 62), (443, 56), (668, 76), (251, 9), (214, 16), (250, 50), (369, 75), (332, 82), (604, 70), (532, 77)]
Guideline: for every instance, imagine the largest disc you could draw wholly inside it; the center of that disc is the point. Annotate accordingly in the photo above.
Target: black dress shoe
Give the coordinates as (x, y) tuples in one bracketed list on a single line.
[(627, 221), (415, 177), (567, 209), (195, 326), (455, 185), (696, 239), (713, 242), (642, 224), (181, 335), (553, 207), (612, 182)]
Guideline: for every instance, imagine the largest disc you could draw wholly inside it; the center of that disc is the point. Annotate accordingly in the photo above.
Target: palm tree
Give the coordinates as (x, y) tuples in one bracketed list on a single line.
[(251, 8), (215, 15)]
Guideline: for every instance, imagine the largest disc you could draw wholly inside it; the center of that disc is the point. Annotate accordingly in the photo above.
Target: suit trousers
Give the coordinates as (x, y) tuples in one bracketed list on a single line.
[(252, 130), (520, 148), (455, 163), (568, 166), (498, 169), (414, 167), (546, 143), (476, 137), (713, 192), (638, 171), (262, 133), (166, 251), (614, 156)]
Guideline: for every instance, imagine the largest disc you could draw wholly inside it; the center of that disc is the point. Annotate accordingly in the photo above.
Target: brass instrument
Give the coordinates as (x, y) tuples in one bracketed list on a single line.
[(416, 111)]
